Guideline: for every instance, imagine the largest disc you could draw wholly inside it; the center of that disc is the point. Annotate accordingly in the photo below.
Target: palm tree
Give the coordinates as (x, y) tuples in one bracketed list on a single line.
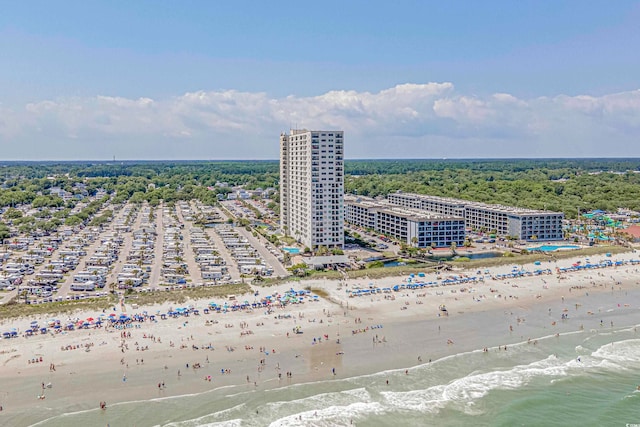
[(453, 248), (25, 293), (414, 241)]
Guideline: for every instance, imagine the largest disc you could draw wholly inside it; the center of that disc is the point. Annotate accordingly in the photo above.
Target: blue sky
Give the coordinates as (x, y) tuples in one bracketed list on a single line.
[(207, 80)]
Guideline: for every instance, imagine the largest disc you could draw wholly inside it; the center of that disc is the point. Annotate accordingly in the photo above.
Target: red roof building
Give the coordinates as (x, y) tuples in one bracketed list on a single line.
[(633, 231)]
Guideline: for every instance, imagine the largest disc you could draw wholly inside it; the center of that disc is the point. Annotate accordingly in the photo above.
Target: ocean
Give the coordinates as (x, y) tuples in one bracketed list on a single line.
[(583, 378)]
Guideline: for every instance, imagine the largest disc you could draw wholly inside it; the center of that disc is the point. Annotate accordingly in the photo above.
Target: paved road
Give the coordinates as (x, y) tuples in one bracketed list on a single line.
[(64, 289), (232, 267), (259, 244), (392, 247), (188, 255), (125, 249), (156, 267)]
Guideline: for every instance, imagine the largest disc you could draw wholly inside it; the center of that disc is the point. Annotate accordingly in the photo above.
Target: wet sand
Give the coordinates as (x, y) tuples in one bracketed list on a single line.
[(375, 333)]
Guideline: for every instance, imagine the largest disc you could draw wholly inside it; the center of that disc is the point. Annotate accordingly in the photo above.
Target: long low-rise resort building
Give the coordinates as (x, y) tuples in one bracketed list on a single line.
[(520, 223), (412, 226)]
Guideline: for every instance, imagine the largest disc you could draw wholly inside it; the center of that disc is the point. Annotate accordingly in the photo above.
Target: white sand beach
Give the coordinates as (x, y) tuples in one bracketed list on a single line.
[(258, 348)]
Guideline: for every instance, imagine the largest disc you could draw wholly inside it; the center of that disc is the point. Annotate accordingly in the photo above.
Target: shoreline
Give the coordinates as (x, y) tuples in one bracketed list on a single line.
[(477, 319)]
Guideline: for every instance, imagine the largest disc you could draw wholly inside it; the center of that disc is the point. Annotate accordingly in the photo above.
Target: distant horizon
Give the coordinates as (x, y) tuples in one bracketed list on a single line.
[(346, 159)]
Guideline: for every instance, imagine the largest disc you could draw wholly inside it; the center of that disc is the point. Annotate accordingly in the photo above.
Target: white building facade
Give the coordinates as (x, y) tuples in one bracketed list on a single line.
[(415, 227), (312, 187), (523, 224)]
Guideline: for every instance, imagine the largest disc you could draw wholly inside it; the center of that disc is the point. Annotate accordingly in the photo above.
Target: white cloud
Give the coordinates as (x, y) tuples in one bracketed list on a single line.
[(408, 120)]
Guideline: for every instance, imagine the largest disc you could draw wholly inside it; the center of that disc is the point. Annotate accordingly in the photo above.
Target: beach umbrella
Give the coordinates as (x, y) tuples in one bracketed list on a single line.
[(90, 319)]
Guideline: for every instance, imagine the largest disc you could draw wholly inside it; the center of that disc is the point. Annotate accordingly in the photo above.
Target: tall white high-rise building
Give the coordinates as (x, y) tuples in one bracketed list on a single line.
[(312, 187)]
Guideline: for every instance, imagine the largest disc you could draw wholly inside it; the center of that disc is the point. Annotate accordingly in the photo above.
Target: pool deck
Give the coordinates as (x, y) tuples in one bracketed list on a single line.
[(554, 248), (292, 251)]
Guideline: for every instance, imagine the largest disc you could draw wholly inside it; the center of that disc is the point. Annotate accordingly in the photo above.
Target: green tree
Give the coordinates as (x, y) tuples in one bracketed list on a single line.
[(13, 213)]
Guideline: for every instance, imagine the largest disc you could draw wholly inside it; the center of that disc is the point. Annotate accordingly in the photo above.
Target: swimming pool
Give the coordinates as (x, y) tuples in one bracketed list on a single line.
[(291, 250), (551, 248)]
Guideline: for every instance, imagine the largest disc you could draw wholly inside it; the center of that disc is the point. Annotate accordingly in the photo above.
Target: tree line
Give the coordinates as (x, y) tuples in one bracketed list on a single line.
[(567, 185)]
